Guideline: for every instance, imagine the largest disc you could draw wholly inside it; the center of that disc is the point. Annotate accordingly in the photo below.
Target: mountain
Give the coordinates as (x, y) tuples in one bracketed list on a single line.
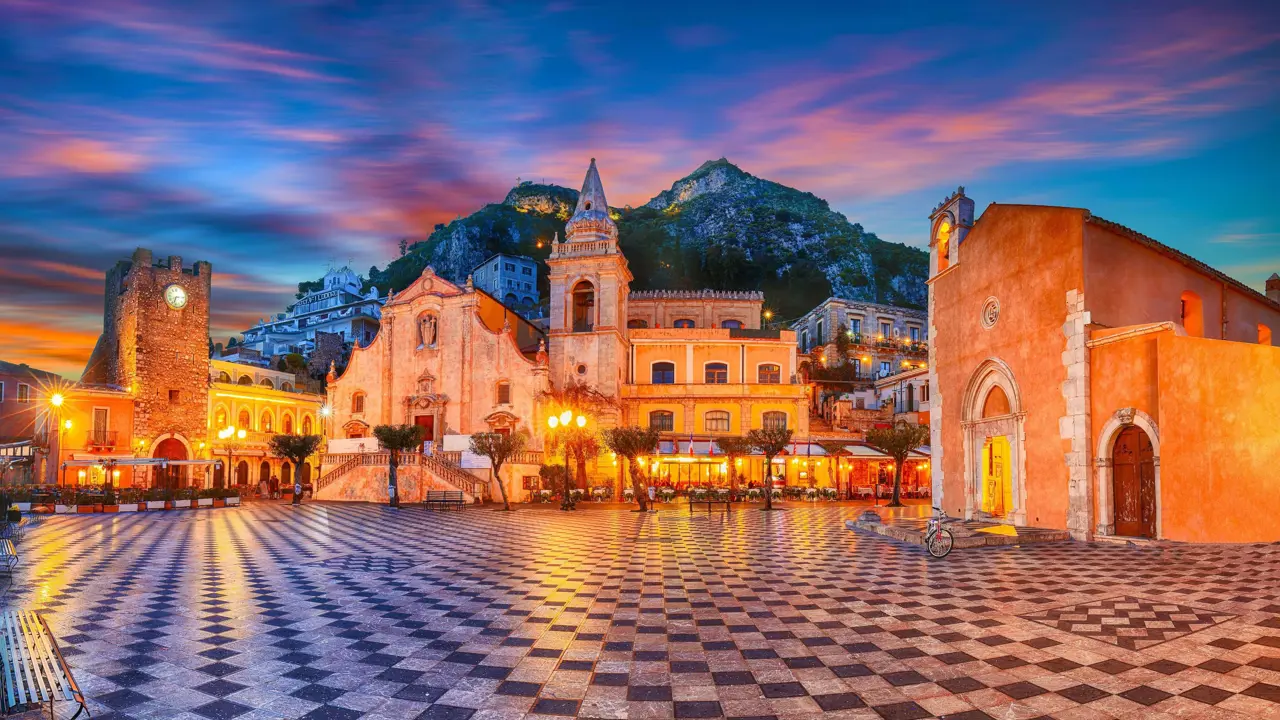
[(719, 228)]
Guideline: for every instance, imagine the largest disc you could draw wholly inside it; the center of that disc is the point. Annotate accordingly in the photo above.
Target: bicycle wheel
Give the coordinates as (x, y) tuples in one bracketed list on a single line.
[(941, 543)]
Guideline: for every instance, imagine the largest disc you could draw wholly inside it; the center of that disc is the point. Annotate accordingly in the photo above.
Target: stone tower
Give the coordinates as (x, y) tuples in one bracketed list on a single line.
[(1273, 287), (155, 344), (589, 282)]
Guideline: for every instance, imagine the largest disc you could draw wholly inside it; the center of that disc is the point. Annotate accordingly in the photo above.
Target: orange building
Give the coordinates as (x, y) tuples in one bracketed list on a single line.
[(1084, 376)]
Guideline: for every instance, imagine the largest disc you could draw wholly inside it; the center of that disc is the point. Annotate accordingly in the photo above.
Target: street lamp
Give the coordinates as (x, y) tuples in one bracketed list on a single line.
[(229, 433), (564, 421)]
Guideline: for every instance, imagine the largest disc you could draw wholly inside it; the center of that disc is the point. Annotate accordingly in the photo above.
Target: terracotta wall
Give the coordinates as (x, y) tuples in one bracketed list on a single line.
[(1219, 444), (1028, 258)]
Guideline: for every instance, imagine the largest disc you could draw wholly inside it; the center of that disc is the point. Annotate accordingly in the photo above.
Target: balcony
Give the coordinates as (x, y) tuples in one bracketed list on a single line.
[(101, 438), (670, 391)]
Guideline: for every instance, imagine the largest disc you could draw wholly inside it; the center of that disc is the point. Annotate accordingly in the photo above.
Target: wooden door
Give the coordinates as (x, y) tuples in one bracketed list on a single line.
[(1134, 484), (428, 424)]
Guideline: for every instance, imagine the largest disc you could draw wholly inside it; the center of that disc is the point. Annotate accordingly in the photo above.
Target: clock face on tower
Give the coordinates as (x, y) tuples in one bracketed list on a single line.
[(175, 296)]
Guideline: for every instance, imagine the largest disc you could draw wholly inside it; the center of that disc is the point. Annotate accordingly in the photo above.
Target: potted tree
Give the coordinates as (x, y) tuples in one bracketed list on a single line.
[(157, 499), (770, 442), (182, 499), (631, 443), (397, 439), (897, 442), (294, 448)]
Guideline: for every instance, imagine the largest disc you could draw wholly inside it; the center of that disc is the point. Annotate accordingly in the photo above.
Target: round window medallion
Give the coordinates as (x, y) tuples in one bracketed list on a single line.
[(990, 312), (582, 369)]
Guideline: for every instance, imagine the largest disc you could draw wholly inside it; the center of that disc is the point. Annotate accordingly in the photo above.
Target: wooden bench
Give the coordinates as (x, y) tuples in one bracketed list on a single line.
[(8, 555), (444, 499), (34, 670), (14, 530), (710, 500)]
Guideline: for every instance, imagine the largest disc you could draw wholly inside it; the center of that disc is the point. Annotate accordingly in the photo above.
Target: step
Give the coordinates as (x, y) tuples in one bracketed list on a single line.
[(968, 533)]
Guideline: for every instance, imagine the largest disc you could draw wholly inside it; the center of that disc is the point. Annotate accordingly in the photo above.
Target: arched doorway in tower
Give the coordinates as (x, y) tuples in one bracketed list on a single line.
[(1133, 480), (175, 475), (242, 473), (264, 472)]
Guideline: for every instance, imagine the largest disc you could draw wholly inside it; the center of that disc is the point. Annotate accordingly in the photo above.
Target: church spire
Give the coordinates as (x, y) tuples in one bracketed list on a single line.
[(591, 219)]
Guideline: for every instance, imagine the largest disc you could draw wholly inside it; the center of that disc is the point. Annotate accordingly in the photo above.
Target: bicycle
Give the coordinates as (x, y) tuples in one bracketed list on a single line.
[(937, 539)]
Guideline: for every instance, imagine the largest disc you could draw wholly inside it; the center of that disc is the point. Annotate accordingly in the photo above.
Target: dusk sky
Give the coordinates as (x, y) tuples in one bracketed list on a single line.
[(276, 138)]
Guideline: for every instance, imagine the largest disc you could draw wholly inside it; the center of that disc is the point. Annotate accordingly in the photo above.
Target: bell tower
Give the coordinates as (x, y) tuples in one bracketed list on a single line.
[(590, 283)]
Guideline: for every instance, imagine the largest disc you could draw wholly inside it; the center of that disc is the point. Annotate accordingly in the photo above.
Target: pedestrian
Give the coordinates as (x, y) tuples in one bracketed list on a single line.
[(653, 493), (263, 487), (297, 491), (275, 487)]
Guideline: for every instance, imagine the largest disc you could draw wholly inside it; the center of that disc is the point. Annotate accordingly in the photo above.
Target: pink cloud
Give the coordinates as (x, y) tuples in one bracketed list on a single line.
[(83, 155)]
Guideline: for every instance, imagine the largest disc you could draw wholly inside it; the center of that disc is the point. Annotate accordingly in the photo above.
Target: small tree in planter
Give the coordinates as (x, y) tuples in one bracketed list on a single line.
[(499, 449), (396, 439), (631, 443), (557, 475), (296, 449), (734, 447), (770, 442), (897, 442)]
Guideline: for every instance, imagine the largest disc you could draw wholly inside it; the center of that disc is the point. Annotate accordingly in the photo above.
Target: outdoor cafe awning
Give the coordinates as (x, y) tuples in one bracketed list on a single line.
[(136, 462)]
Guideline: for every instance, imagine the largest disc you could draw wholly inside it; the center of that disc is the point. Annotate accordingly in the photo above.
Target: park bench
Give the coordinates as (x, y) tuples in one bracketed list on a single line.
[(710, 500), (13, 530), (34, 670), (8, 555), (444, 499)]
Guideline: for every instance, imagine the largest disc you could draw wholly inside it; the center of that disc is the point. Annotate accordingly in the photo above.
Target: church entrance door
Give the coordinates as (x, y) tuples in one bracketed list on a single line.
[(428, 424), (997, 486), (1134, 484), (170, 449)]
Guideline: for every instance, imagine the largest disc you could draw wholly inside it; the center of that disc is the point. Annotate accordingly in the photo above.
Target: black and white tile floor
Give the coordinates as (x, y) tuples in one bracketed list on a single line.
[(353, 611)]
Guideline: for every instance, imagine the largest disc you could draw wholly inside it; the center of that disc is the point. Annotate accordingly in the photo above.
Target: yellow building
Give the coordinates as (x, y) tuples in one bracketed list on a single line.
[(248, 405)]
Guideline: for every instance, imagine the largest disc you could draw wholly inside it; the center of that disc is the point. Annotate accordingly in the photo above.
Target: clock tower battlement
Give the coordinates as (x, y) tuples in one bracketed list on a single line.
[(155, 344)]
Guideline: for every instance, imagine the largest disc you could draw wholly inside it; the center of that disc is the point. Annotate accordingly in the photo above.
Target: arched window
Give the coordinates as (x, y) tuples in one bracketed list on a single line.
[(286, 386), (306, 425), (774, 420), (264, 471), (996, 404), (664, 373), (357, 402), (732, 324), (219, 418), (428, 329), (769, 374), (266, 383), (716, 420), (265, 424), (584, 307), (224, 377), (683, 323), (662, 420), (943, 237), (924, 393), (245, 420), (287, 424), (637, 324), (244, 380), (511, 299), (504, 393), (1193, 314), (716, 373), (1264, 334)]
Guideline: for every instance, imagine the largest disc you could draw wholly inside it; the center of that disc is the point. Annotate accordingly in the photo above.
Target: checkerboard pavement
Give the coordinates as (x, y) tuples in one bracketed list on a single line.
[(358, 611)]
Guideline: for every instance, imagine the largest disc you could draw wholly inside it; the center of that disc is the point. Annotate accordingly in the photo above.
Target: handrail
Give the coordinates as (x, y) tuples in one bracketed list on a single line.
[(446, 470)]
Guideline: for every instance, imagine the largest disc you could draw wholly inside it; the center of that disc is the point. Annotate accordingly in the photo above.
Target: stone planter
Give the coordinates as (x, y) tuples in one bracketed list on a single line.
[(109, 508), (233, 501), (23, 507), (204, 502), (182, 504), (88, 508), (219, 502), (156, 504), (127, 507), (61, 509)]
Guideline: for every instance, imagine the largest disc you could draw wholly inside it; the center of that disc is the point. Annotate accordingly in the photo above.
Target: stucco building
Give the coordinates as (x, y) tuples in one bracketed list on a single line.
[(337, 307), (1087, 377), (512, 278)]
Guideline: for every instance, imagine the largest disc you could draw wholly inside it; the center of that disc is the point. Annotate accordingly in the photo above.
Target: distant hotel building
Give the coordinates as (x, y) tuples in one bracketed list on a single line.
[(513, 278), (338, 308), (883, 339)]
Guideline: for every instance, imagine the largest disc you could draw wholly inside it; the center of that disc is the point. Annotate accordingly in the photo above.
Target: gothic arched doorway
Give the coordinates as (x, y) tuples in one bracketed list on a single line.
[(993, 419), (264, 472), (286, 474), (172, 476), (1133, 482), (242, 473)]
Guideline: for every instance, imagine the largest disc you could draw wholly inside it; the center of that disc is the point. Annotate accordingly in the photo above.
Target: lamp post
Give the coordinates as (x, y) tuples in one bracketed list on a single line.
[(564, 421), (229, 434), (55, 403)]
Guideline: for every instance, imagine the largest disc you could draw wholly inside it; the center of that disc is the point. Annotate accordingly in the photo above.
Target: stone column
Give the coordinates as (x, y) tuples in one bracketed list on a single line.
[(1074, 425)]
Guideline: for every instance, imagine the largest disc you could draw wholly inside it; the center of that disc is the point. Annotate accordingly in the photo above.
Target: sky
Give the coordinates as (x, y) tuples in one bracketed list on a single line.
[(276, 139)]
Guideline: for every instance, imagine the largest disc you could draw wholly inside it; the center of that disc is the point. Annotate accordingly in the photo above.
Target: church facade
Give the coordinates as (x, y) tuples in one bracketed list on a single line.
[(1086, 377)]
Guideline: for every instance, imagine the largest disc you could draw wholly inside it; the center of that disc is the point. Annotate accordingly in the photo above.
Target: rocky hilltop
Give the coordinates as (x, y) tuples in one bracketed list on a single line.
[(719, 228)]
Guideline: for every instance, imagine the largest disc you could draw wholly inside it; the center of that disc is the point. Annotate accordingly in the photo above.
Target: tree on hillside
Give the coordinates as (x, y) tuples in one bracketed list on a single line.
[(770, 442), (631, 443), (396, 439), (897, 442), (499, 448), (734, 447), (296, 449)]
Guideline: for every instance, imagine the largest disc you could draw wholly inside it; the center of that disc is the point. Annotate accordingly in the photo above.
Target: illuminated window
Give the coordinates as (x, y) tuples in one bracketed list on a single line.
[(769, 374), (1264, 335), (245, 420), (662, 420), (265, 425), (717, 374), (1192, 314), (943, 238), (244, 380), (774, 420), (220, 419), (287, 424), (266, 383), (224, 377), (306, 425), (717, 420), (664, 373), (584, 307), (357, 403), (683, 323)]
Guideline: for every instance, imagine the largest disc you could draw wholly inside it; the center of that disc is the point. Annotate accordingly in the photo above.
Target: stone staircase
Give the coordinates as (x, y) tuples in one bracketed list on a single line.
[(363, 477)]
